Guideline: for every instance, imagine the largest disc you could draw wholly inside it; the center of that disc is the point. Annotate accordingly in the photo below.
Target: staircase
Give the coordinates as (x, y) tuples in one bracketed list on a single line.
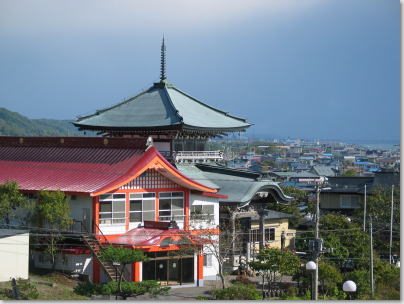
[(95, 246)]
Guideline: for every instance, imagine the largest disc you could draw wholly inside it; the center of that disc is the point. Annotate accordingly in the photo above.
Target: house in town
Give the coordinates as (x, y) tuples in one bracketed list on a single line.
[(347, 193), (244, 210)]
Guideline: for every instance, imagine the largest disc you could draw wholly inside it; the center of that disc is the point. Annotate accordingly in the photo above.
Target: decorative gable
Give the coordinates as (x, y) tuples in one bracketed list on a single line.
[(150, 179)]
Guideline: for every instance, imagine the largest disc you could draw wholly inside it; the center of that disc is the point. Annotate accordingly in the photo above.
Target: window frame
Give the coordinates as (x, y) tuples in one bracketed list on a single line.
[(171, 197), (142, 208), (208, 260), (112, 218)]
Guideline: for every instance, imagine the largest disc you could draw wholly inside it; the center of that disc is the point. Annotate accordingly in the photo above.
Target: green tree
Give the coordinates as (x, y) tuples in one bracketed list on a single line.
[(52, 213), (379, 208), (274, 263), (124, 256), (329, 276), (349, 173), (11, 201), (298, 196)]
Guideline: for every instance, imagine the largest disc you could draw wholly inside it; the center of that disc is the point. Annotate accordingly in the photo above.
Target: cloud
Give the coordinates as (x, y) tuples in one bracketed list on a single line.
[(50, 16)]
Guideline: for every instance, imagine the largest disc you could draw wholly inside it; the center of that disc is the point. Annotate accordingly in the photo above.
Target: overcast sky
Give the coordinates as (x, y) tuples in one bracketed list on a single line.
[(298, 68)]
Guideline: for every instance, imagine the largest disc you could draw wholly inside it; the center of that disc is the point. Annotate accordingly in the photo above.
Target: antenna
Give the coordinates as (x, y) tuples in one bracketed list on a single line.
[(163, 62)]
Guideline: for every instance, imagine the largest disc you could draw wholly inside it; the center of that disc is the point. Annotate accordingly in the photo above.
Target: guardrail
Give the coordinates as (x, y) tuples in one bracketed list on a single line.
[(192, 156)]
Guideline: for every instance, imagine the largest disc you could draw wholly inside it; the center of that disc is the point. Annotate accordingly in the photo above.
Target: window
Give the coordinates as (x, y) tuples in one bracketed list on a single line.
[(207, 260), (254, 236), (112, 208), (202, 212), (269, 234), (349, 201), (171, 206), (142, 207)]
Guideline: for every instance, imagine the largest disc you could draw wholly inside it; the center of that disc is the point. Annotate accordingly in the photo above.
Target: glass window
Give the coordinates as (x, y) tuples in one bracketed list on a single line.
[(202, 212), (142, 207), (171, 206), (207, 260), (112, 208), (269, 234)]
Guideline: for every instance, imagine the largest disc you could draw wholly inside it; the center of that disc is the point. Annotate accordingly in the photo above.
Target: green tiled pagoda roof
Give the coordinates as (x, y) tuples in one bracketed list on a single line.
[(240, 186), (162, 107)]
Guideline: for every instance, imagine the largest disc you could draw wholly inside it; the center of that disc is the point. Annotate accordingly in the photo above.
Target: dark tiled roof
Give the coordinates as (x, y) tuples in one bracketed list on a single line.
[(272, 214), (239, 185), (162, 107)]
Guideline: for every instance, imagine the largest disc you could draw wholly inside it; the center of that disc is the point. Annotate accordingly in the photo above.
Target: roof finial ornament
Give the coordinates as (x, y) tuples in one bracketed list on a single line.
[(163, 62)]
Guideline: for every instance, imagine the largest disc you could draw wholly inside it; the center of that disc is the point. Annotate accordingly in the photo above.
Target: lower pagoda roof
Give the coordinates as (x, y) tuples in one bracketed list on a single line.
[(162, 109)]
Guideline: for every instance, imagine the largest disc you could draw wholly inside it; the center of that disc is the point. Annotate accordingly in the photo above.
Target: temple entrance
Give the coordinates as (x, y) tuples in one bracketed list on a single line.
[(169, 270)]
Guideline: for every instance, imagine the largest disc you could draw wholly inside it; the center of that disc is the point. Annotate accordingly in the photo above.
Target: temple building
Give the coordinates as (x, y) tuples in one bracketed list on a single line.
[(175, 120), (149, 183)]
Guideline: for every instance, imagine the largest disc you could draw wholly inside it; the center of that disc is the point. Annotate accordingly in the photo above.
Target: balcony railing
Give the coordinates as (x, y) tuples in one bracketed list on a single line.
[(168, 218), (197, 156)]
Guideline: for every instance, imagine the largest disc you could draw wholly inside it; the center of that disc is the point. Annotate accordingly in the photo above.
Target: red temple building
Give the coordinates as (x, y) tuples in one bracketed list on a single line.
[(139, 186)]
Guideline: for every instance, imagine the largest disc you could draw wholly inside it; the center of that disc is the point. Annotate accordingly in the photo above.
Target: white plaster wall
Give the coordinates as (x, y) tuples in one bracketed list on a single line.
[(14, 254), (78, 204), (203, 200), (74, 263), (212, 271), (112, 229)]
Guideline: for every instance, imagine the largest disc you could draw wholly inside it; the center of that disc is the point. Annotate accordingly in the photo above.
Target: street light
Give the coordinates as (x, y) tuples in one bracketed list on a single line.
[(312, 266), (349, 287)]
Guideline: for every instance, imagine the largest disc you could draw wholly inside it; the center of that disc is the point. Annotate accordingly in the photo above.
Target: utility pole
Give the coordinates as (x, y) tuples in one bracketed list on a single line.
[(317, 240), (372, 288), (364, 212), (391, 223)]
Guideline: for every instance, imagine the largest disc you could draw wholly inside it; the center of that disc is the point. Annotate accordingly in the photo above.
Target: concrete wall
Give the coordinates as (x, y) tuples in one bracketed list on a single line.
[(14, 254)]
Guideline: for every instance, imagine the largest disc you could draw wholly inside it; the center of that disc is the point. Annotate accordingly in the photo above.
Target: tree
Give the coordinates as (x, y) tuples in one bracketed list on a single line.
[(329, 276), (349, 173), (52, 213), (274, 263), (124, 256), (11, 200)]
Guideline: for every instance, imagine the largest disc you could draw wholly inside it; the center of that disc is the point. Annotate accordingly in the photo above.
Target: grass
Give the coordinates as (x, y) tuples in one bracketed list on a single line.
[(63, 290)]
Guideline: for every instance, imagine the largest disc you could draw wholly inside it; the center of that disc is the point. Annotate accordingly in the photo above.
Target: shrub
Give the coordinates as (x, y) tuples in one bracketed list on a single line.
[(27, 290), (129, 289), (87, 289), (242, 279), (237, 291)]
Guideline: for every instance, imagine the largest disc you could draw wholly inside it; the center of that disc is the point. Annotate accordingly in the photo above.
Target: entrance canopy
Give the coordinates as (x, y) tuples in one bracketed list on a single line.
[(153, 237)]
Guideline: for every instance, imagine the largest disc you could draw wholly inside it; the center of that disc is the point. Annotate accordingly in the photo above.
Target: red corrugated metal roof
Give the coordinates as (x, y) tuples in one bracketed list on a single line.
[(76, 164), (83, 165)]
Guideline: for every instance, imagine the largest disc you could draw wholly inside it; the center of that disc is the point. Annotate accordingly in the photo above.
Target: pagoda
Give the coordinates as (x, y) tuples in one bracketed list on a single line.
[(174, 120)]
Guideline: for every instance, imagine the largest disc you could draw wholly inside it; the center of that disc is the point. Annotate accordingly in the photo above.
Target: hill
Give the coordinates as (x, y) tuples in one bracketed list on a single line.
[(15, 124)]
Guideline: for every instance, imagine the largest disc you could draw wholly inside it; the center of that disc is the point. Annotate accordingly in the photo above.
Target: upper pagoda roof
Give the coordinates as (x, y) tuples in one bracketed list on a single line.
[(162, 107)]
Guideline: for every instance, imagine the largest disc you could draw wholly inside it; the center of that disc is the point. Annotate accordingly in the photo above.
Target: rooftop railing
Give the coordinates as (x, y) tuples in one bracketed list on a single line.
[(197, 156)]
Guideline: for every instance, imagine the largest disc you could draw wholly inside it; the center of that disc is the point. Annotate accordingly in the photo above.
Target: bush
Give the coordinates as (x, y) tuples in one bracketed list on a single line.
[(87, 289), (27, 290), (237, 291), (242, 279), (129, 289)]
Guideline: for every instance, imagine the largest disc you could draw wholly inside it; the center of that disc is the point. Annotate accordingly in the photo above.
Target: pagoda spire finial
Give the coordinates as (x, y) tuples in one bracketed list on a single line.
[(163, 62)]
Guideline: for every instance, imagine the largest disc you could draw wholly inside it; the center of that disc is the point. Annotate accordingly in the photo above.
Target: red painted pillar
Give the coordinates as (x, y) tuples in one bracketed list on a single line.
[(96, 271), (136, 271), (200, 266), (186, 210)]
